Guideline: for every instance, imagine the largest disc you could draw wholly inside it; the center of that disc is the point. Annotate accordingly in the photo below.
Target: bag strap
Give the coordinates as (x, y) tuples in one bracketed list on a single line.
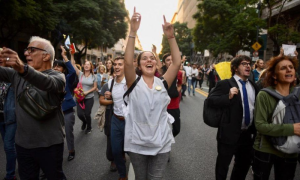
[(81, 80), (131, 88)]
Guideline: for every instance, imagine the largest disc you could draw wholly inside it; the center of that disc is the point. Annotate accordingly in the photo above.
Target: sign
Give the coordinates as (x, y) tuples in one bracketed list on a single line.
[(289, 50), (256, 46), (255, 53)]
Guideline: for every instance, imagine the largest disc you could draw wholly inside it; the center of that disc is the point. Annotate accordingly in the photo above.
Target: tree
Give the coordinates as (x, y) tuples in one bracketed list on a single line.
[(95, 23), (279, 29), (183, 37), (226, 26), (35, 17)]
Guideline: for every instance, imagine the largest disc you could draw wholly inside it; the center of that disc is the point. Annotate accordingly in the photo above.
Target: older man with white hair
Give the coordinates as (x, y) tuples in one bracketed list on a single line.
[(39, 141)]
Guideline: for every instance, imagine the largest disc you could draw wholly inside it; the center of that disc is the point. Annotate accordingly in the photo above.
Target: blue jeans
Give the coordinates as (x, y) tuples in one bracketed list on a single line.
[(8, 136), (194, 86), (189, 85), (117, 144), (149, 167)]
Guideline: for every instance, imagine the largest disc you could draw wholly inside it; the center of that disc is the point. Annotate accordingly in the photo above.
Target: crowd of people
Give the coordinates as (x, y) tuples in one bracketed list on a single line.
[(145, 93)]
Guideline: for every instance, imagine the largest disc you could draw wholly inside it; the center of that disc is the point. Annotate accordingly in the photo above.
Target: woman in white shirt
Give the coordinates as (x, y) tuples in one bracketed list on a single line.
[(148, 134)]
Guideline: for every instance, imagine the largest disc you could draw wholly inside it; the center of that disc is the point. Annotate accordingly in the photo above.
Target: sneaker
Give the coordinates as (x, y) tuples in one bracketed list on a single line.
[(194, 94), (71, 156), (83, 126), (88, 131)]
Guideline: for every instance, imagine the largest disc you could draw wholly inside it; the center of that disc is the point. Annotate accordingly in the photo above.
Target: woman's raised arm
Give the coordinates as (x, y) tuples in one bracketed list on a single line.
[(172, 71), (129, 52)]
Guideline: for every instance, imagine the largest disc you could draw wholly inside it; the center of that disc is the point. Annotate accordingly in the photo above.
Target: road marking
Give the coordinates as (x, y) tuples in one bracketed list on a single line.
[(131, 175), (201, 92)]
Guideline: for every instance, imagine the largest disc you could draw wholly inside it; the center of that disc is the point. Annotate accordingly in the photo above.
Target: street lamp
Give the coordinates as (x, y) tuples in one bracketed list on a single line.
[(258, 12)]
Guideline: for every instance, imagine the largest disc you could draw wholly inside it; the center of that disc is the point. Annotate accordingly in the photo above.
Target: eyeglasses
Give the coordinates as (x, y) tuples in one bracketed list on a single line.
[(245, 64), (33, 49)]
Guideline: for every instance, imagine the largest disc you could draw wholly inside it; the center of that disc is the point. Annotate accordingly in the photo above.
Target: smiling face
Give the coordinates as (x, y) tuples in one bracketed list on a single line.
[(147, 64), (37, 55), (119, 67), (101, 69), (59, 69), (284, 72), (168, 61), (108, 64), (87, 66), (243, 70)]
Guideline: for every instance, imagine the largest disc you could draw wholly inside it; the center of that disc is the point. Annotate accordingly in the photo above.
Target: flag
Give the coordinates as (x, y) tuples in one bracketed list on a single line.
[(68, 42), (72, 48), (223, 70)]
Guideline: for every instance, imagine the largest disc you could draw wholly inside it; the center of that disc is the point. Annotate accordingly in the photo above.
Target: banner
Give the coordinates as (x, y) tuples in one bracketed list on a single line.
[(223, 70)]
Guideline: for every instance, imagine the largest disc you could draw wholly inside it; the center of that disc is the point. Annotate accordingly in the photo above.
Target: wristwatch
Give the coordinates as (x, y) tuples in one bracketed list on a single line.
[(25, 70)]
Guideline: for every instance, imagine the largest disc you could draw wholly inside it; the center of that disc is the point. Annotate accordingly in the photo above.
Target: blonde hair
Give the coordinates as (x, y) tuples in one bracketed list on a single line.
[(101, 67)]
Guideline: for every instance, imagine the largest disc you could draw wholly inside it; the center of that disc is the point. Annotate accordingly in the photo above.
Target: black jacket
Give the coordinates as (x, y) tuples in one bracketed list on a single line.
[(230, 128)]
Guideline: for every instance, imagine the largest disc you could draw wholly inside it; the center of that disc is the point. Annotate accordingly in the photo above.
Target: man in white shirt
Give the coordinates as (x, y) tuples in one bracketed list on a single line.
[(117, 120), (236, 131), (188, 71)]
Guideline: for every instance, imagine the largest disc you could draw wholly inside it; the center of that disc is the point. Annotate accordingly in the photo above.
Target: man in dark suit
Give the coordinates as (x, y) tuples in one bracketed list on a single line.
[(236, 132)]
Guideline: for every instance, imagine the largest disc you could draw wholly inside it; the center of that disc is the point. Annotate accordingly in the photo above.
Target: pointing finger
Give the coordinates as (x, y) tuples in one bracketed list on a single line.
[(134, 10), (165, 19)]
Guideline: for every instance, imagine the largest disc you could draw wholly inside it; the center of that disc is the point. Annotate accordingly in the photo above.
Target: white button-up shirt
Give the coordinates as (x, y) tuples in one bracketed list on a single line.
[(251, 99), (118, 91)]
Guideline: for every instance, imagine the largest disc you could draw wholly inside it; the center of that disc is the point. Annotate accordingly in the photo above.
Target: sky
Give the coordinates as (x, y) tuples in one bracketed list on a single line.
[(152, 11)]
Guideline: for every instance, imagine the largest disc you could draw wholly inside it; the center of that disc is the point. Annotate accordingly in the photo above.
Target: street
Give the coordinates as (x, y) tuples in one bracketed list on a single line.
[(193, 155)]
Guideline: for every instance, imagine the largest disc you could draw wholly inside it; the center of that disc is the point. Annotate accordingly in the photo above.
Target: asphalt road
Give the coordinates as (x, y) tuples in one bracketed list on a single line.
[(192, 157)]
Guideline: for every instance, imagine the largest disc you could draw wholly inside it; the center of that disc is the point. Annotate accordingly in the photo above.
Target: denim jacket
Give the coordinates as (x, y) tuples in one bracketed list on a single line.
[(9, 107)]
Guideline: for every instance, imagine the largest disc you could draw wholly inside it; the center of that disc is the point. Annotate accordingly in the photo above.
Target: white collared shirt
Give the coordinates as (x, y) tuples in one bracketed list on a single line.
[(251, 99), (188, 71), (118, 91)]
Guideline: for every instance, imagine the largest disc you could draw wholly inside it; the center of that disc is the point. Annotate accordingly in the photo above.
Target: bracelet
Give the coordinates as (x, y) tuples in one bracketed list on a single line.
[(131, 36), (171, 37)]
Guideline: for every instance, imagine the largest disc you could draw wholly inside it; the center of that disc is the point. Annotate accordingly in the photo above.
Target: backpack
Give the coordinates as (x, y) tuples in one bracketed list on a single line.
[(286, 112), (213, 116), (130, 89)]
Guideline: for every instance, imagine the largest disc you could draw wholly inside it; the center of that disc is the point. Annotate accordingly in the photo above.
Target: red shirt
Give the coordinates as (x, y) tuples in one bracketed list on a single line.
[(174, 103)]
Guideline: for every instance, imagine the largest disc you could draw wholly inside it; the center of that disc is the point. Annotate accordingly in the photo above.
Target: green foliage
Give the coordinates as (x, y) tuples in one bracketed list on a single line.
[(283, 34), (279, 29), (90, 23), (31, 16), (183, 37), (225, 26)]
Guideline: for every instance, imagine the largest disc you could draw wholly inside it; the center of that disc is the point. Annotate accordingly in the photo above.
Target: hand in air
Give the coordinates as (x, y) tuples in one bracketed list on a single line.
[(135, 21), (168, 29)]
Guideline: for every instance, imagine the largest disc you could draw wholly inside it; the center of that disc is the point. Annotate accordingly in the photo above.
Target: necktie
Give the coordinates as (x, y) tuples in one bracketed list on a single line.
[(246, 103)]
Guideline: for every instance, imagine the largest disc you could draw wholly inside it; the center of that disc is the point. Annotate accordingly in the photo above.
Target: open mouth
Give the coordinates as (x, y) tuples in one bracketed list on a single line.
[(149, 66), (289, 76)]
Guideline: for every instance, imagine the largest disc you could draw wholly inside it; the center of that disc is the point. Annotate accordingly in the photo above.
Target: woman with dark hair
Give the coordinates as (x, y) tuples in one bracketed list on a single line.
[(68, 103), (89, 85), (109, 69), (280, 77), (148, 133)]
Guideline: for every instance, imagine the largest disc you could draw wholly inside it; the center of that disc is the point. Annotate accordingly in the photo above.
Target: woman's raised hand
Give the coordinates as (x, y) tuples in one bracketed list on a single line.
[(135, 21), (168, 29)]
